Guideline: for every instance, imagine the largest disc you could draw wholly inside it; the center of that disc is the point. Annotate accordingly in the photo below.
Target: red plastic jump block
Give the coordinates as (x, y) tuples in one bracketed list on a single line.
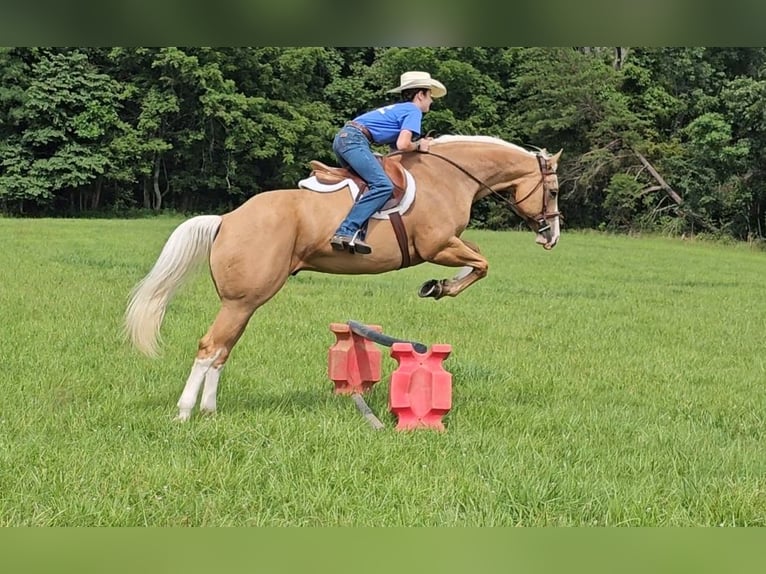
[(421, 390), (353, 361)]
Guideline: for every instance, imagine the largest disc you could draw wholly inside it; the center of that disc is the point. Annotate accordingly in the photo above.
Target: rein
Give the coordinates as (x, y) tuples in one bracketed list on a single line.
[(544, 215)]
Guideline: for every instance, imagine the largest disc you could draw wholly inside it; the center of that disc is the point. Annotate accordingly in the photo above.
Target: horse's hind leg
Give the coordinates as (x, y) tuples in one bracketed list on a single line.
[(214, 349), (243, 285)]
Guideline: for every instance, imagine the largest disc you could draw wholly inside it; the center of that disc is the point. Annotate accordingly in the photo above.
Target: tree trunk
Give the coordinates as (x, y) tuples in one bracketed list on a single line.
[(156, 183), (655, 174), (147, 196), (620, 55), (96, 199)]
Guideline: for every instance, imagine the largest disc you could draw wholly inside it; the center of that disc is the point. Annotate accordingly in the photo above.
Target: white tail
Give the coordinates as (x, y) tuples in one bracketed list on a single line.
[(186, 248)]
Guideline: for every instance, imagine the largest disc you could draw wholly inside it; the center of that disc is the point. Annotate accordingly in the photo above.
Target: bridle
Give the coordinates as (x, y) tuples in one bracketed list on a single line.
[(542, 218)]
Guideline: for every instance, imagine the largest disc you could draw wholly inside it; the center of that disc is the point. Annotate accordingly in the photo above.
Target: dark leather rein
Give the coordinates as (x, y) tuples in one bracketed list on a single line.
[(542, 218)]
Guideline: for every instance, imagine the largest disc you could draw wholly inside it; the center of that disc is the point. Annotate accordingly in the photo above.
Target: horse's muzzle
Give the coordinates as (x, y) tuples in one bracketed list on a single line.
[(548, 234), (546, 240)]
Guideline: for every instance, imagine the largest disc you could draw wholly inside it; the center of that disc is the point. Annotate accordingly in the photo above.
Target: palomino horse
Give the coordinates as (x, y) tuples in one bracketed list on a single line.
[(253, 250)]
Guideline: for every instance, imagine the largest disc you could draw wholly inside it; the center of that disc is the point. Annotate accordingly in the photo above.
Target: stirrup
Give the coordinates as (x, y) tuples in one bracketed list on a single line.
[(341, 242), (359, 246)]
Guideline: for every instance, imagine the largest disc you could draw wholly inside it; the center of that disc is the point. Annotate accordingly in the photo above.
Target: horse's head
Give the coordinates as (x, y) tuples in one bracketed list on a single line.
[(526, 180), (536, 199)]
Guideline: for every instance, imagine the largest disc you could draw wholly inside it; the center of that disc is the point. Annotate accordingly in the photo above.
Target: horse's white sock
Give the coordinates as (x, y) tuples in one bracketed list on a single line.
[(210, 389), (191, 390), (464, 272)]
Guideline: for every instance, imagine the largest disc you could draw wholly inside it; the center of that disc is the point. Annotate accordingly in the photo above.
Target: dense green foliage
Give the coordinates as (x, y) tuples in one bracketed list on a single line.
[(109, 130)]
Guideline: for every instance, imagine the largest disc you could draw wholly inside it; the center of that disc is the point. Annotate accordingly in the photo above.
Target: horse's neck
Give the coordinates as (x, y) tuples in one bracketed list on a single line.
[(480, 167)]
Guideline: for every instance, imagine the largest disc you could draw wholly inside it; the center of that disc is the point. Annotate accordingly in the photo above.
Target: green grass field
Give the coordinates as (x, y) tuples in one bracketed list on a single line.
[(615, 381)]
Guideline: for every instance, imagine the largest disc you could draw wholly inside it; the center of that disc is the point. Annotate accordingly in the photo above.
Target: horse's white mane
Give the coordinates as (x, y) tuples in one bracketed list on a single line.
[(479, 139)]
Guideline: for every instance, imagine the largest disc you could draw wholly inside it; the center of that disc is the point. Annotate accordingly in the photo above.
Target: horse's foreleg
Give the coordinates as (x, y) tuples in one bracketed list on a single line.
[(214, 349), (457, 253)]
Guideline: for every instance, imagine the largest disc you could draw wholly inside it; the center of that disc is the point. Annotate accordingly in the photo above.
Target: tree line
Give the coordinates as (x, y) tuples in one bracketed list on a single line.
[(667, 139)]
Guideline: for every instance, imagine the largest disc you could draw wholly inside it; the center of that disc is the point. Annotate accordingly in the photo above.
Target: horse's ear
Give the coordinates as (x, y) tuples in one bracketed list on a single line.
[(557, 156)]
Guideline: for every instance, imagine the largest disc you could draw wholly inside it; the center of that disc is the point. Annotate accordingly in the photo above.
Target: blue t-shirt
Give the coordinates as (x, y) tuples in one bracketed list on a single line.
[(385, 123)]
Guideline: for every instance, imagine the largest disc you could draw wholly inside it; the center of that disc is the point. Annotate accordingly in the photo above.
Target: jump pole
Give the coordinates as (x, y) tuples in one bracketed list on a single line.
[(382, 339), (366, 411)]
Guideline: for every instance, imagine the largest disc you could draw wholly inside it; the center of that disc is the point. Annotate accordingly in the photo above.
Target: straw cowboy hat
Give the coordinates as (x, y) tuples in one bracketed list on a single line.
[(409, 80)]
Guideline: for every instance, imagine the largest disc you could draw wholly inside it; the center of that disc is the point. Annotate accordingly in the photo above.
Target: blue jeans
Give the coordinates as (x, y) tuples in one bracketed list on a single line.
[(353, 150)]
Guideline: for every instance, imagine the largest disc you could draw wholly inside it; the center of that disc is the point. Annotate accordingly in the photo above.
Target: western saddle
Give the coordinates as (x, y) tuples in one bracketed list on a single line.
[(395, 172), (329, 175)]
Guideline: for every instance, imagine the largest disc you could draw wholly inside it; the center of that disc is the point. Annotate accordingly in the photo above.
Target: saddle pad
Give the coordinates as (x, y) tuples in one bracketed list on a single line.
[(409, 193)]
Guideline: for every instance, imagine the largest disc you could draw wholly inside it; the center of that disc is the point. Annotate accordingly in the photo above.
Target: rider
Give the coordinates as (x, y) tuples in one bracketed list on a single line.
[(395, 125)]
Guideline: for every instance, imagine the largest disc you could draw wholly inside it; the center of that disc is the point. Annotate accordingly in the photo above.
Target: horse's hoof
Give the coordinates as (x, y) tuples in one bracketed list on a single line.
[(432, 288)]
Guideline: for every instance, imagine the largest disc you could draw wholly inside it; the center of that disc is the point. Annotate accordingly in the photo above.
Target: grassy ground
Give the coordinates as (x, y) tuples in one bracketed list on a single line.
[(612, 381)]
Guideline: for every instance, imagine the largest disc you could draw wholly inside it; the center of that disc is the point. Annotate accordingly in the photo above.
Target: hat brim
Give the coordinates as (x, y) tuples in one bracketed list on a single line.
[(437, 88)]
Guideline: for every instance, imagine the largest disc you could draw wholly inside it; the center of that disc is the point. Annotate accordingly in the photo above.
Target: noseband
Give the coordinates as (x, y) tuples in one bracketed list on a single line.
[(542, 218)]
